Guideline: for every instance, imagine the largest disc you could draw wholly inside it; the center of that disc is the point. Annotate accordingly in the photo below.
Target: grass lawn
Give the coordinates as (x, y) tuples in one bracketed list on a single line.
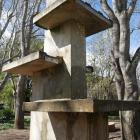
[(10, 124), (4, 126)]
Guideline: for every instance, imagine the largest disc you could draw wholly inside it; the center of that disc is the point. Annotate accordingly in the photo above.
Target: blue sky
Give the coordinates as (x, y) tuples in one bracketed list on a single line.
[(135, 36), (134, 23)]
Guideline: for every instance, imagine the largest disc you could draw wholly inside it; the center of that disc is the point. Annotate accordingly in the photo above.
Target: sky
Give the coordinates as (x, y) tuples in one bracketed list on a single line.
[(134, 23), (135, 36)]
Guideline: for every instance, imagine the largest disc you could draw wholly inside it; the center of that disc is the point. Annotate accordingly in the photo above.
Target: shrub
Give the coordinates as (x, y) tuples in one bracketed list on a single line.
[(6, 115)]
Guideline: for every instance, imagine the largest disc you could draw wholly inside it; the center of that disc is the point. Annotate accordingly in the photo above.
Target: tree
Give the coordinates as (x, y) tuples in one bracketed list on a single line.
[(100, 83), (6, 43), (15, 32), (30, 8), (138, 75), (124, 66)]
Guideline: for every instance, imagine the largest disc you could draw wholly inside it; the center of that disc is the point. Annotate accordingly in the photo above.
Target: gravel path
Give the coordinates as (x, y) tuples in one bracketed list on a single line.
[(13, 134)]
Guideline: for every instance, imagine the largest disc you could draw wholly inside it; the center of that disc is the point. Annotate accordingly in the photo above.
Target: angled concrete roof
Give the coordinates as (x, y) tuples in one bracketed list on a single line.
[(31, 63), (64, 10)]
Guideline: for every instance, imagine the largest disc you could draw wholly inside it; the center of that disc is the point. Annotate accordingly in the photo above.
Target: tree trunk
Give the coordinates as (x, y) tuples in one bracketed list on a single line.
[(25, 41), (19, 114), (125, 67), (130, 120), (130, 125)]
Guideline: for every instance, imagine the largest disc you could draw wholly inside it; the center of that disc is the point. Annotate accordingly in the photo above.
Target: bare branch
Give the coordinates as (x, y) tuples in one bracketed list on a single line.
[(12, 44), (3, 82), (106, 8), (6, 25), (5, 49), (10, 15), (29, 33), (115, 7), (122, 5), (116, 66), (11, 58), (1, 3), (131, 8), (13, 83), (134, 29), (38, 35), (35, 31), (135, 59), (35, 9), (118, 76), (23, 44), (116, 38)]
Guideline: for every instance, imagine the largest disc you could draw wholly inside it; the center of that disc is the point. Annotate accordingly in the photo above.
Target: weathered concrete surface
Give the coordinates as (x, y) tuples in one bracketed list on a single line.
[(60, 11), (31, 63), (66, 80), (66, 38), (84, 105), (68, 126), (50, 2)]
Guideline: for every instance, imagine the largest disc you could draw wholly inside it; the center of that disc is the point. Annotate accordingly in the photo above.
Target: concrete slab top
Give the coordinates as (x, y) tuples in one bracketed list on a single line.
[(81, 105), (31, 63), (64, 10)]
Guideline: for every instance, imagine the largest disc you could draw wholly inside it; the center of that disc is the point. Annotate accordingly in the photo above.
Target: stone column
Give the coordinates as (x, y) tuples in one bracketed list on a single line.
[(64, 81), (68, 79), (69, 126)]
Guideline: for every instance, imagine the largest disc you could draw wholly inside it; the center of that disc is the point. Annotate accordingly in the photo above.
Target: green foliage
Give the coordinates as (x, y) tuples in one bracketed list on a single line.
[(100, 87), (10, 124), (6, 115), (1, 76), (4, 126), (36, 44), (100, 83), (6, 96), (27, 121)]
